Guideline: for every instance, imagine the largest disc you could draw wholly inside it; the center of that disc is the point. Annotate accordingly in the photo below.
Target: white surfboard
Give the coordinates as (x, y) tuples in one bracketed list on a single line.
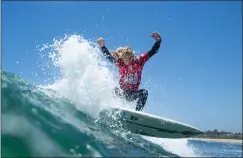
[(150, 125)]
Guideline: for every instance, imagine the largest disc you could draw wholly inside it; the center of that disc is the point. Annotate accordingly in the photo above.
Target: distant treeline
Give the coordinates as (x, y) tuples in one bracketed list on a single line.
[(221, 135)]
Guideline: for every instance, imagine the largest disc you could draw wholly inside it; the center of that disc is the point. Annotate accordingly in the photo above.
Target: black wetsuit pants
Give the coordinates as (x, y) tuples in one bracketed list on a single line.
[(141, 95)]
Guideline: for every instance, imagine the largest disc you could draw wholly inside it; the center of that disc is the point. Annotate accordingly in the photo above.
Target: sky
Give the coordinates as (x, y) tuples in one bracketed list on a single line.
[(195, 78)]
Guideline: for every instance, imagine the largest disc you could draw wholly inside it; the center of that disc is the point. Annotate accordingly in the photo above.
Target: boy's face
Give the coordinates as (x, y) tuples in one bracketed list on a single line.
[(128, 58)]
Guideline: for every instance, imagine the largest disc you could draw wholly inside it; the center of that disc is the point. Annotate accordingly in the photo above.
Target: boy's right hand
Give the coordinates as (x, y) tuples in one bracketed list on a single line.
[(101, 41)]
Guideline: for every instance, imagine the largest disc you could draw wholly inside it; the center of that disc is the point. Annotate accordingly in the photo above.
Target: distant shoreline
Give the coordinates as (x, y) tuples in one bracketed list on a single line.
[(234, 141)]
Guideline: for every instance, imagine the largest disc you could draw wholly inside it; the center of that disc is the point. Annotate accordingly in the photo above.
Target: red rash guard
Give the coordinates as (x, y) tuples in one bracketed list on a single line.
[(130, 75)]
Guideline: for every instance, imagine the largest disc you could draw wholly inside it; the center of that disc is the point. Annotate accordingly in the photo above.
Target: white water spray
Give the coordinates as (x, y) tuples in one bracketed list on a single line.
[(85, 78), (176, 146)]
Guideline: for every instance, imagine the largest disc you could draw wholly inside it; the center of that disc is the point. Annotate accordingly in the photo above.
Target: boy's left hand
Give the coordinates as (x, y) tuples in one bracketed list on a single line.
[(156, 36)]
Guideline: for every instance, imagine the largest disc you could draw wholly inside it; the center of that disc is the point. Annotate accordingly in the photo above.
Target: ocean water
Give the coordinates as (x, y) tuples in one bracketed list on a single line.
[(61, 117)]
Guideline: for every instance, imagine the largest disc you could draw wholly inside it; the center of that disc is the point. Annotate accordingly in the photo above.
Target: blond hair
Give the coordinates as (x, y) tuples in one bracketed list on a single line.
[(123, 52)]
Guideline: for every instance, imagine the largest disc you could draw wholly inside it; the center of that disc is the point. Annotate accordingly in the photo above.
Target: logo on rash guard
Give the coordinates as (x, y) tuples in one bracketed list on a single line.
[(131, 78), (130, 68)]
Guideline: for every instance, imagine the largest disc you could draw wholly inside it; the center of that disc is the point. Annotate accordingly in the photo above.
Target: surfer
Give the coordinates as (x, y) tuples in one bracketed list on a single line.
[(130, 69)]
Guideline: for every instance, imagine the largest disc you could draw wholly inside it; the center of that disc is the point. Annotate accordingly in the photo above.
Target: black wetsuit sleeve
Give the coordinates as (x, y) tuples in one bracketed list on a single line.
[(107, 54), (154, 49)]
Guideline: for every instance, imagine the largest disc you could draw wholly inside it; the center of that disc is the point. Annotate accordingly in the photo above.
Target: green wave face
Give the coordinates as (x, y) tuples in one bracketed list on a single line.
[(37, 122)]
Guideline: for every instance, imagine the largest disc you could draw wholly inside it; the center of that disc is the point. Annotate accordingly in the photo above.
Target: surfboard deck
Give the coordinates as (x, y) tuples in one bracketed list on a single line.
[(150, 125)]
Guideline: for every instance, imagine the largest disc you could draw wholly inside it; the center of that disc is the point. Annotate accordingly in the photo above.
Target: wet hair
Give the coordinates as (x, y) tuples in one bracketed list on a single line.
[(122, 52)]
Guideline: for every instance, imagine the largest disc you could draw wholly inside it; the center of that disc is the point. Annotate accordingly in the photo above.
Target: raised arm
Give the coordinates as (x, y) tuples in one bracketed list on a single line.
[(143, 58), (156, 45), (108, 54), (104, 50)]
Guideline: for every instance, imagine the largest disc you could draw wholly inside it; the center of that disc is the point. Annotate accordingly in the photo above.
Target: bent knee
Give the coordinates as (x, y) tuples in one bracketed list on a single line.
[(145, 92)]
